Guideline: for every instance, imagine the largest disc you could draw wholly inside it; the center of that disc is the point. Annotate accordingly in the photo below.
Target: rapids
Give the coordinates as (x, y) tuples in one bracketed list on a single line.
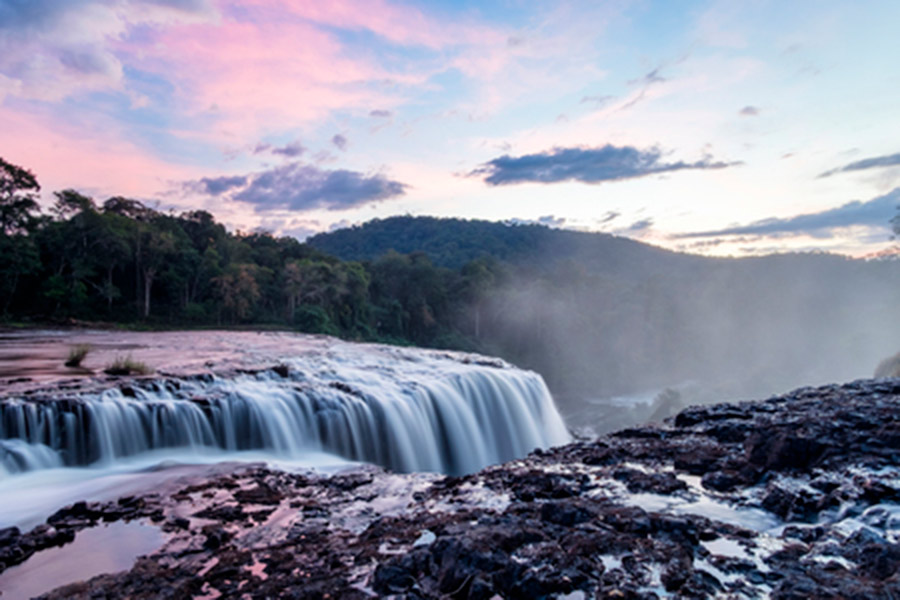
[(407, 410)]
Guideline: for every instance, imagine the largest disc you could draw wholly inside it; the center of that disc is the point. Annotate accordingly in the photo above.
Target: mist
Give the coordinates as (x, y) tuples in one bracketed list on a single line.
[(623, 339)]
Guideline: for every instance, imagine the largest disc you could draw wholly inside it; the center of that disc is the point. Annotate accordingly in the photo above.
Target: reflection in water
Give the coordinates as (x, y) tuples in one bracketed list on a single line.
[(101, 549)]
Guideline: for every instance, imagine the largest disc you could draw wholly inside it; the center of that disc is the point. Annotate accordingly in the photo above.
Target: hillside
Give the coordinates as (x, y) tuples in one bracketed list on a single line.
[(602, 315), (452, 243)]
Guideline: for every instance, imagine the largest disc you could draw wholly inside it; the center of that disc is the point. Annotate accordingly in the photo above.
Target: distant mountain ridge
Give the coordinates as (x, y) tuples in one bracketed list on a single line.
[(451, 242)]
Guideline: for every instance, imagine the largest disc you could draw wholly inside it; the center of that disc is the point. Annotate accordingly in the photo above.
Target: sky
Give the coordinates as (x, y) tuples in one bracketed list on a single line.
[(714, 127)]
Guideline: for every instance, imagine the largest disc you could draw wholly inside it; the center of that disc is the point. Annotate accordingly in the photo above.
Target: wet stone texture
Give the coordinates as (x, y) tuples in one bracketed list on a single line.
[(792, 497)]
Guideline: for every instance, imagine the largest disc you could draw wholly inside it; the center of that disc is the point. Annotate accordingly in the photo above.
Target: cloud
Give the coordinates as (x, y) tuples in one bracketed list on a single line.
[(292, 150), (638, 226), (216, 186), (56, 48), (294, 227), (649, 79), (891, 160), (551, 221), (749, 111), (873, 213), (340, 142), (342, 224), (301, 187), (597, 101), (589, 165), (381, 114), (609, 216)]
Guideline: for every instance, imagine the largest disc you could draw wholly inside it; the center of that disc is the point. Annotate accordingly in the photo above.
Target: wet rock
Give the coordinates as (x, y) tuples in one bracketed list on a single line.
[(639, 481), (699, 459), (9, 535), (721, 481), (531, 485), (224, 513), (215, 537), (611, 518), (259, 494), (568, 513), (79, 514), (784, 450)]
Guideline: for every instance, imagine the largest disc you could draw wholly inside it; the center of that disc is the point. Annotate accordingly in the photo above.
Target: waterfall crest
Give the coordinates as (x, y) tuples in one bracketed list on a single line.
[(427, 414)]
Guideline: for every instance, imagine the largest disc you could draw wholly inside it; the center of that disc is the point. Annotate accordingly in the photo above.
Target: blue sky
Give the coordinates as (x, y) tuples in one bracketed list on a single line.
[(714, 127)]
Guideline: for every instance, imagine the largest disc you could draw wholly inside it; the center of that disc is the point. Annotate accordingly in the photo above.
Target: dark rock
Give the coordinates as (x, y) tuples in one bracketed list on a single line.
[(9, 535), (215, 537), (639, 482), (567, 513), (721, 481), (545, 525), (259, 494), (783, 450)]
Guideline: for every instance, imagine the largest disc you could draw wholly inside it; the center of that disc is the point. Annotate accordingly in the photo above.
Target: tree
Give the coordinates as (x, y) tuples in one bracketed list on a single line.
[(70, 202), (18, 192), (157, 248), (20, 258), (477, 280), (238, 291)]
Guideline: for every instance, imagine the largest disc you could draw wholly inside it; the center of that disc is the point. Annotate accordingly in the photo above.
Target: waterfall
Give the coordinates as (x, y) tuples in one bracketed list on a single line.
[(425, 413)]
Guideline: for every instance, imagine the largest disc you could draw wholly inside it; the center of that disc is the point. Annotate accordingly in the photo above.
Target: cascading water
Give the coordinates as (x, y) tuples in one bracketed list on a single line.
[(425, 412)]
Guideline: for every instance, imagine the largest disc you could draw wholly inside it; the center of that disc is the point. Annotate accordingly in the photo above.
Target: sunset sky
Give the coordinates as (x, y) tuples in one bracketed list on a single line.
[(714, 127)]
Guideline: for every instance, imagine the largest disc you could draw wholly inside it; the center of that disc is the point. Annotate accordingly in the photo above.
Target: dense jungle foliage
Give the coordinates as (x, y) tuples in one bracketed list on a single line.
[(593, 313)]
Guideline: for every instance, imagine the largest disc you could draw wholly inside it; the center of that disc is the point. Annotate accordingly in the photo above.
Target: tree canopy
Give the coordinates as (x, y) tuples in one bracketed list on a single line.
[(588, 311)]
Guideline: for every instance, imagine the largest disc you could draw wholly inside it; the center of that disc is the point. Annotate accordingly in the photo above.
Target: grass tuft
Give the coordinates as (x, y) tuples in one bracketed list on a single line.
[(127, 366), (77, 354)]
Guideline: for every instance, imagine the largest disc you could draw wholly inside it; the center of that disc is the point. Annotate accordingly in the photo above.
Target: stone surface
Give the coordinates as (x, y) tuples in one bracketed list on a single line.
[(791, 497)]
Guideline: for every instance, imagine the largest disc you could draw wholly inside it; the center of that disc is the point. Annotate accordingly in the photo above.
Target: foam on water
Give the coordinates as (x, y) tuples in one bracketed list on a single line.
[(402, 409)]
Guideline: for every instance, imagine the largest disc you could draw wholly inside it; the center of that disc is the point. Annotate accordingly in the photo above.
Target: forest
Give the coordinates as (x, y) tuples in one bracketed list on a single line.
[(595, 314), (121, 261)]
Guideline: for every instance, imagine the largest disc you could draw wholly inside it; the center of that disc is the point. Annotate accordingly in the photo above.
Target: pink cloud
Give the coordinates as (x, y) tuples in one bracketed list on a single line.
[(252, 77), (53, 50), (400, 24)]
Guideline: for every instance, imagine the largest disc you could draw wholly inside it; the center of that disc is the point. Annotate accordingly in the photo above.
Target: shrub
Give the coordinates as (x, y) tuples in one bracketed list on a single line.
[(127, 366), (77, 354)]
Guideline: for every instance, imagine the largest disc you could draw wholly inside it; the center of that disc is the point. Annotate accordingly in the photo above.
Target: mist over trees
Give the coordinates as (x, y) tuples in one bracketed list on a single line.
[(595, 314), (599, 315)]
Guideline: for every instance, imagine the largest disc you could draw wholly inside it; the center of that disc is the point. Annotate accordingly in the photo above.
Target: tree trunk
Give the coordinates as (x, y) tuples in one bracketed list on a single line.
[(12, 293), (109, 286), (149, 274)]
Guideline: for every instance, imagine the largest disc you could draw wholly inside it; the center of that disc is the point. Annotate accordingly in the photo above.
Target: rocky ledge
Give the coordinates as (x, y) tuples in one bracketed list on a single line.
[(791, 497)]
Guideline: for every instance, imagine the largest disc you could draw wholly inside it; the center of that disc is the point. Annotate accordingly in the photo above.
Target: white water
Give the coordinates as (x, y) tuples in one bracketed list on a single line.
[(405, 410)]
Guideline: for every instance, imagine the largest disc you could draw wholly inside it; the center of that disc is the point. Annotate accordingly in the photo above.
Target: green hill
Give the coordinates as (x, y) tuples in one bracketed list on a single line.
[(604, 314)]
